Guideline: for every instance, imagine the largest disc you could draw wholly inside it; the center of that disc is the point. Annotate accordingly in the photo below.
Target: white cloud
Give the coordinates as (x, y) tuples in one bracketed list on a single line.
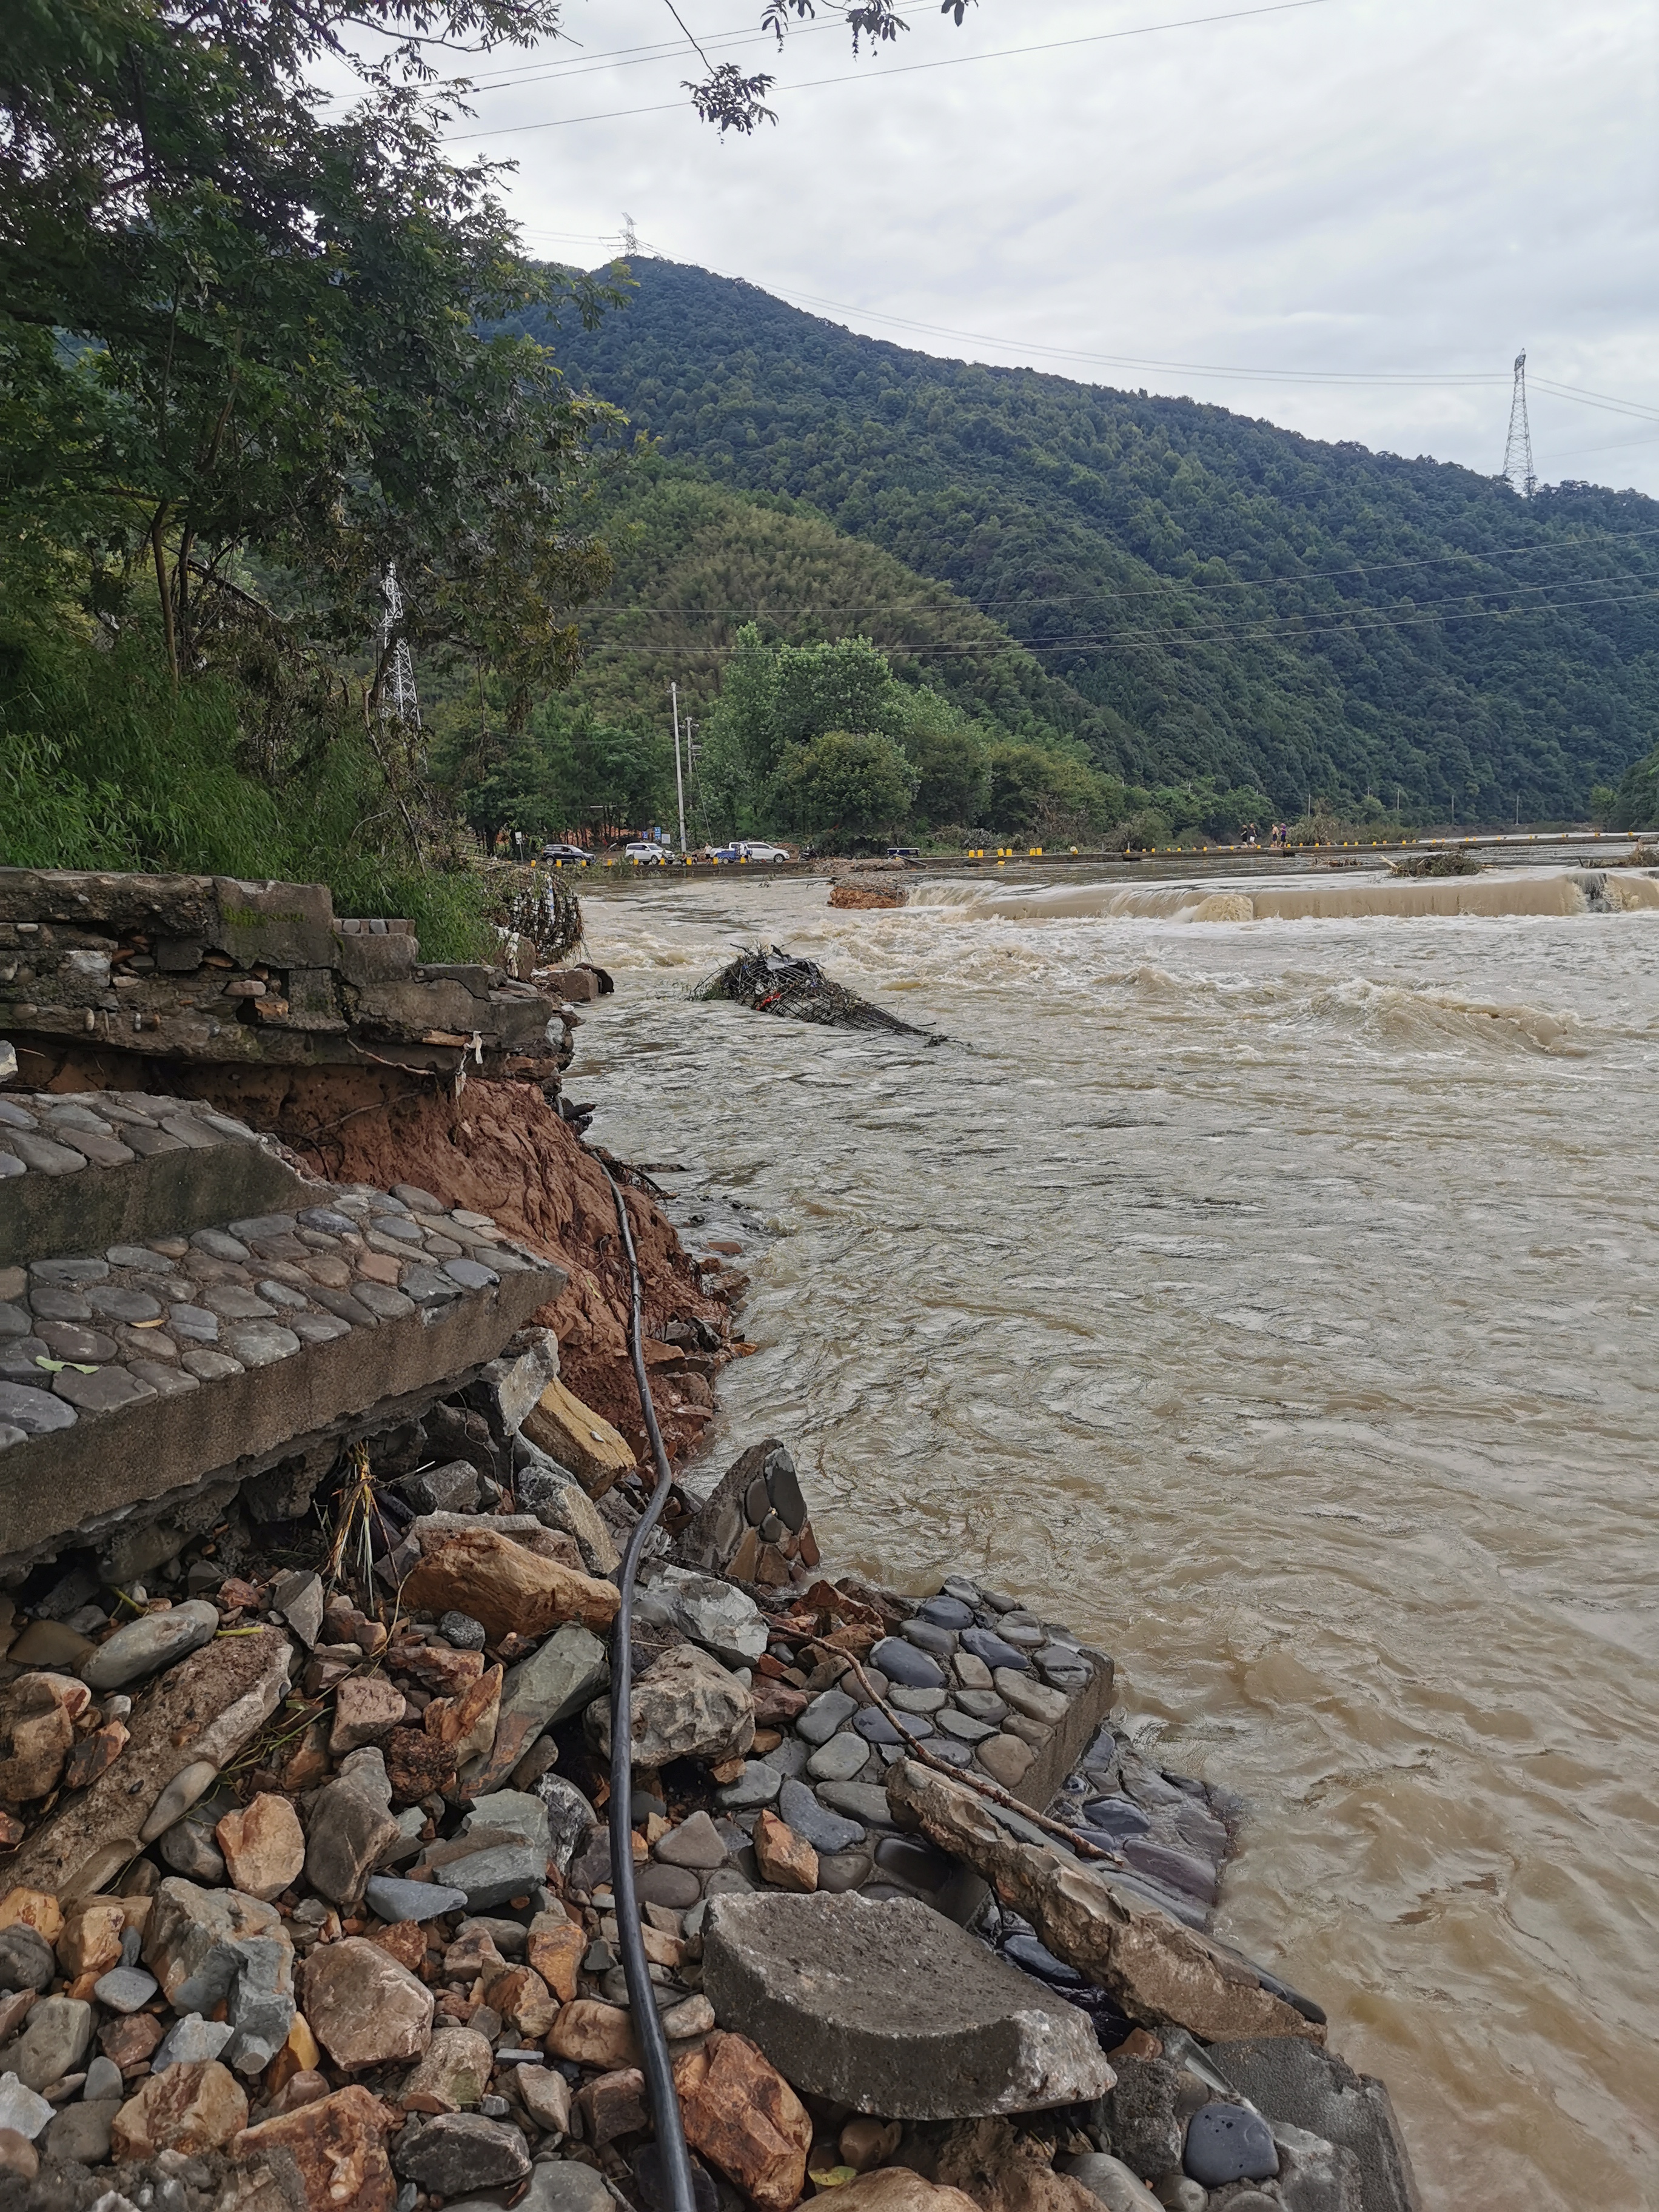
[(1355, 188)]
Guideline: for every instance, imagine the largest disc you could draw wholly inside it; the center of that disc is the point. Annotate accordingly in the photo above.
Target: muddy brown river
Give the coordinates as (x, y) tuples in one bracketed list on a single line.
[(1275, 1300)]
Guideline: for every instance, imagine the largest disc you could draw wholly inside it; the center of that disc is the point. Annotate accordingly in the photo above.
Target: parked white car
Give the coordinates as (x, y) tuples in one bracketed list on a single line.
[(648, 854), (748, 850)]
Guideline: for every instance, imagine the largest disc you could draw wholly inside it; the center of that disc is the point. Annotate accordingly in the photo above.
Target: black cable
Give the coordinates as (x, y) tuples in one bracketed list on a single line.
[(641, 1991)]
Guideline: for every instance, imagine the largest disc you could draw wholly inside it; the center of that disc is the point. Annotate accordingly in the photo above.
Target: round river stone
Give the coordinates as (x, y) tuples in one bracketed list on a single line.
[(985, 1644), (116, 1303), (260, 1344), (927, 1636), (824, 1716), (1225, 2142), (155, 1641), (838, 1760), (65, 1340), (875, 1727), (902, 1663)]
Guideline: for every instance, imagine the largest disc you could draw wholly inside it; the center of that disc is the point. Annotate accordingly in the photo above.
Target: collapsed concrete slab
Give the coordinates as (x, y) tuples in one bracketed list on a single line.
[(116, 970), (182, 1313), (80, 1172), (890, 2009)]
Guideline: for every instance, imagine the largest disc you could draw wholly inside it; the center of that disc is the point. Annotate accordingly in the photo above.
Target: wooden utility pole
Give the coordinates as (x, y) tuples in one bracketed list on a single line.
[(680, 776)]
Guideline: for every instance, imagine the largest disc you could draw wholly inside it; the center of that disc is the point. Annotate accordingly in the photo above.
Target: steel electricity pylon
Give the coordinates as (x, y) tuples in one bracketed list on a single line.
[(397, 701), (1517, 451)]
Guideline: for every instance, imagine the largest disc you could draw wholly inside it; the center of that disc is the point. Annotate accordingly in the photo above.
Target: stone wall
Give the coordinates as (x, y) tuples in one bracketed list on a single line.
[(103, 973)]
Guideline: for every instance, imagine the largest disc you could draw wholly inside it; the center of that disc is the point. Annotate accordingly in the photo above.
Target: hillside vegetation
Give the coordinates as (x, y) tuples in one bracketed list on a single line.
[(710, 586), (1199, 594)]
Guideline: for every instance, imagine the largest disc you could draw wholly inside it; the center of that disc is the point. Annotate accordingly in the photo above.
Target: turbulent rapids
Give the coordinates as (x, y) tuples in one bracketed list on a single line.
[(1495, 893)]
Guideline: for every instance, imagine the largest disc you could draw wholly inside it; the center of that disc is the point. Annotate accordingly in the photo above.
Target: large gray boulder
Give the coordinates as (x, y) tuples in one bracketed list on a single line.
[(685, 1705), (891, 2009), (724, 1619)]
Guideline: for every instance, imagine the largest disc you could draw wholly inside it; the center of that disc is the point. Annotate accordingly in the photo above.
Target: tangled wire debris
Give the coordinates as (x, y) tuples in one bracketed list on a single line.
[(777, 983), (1457, 863), (538, 907)]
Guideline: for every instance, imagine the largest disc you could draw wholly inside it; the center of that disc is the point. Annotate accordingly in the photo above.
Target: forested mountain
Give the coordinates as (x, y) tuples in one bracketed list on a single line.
[(1207, 594), (693, 562)]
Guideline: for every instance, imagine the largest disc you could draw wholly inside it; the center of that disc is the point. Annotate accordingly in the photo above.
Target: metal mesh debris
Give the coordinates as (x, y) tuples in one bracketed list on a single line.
[(775, 982), (1458, 863)]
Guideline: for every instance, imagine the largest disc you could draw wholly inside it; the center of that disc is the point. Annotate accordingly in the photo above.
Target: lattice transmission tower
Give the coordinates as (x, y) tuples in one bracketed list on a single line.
[(397, 701), (1517, 451)]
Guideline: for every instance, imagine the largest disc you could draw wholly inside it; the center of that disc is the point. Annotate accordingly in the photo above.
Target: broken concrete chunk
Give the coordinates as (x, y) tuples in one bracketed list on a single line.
[(898, 2012), (1157, 1970), (1312, 2090)]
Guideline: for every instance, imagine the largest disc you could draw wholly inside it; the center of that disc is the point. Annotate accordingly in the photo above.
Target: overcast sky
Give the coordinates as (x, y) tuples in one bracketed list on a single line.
[(1350, 189)]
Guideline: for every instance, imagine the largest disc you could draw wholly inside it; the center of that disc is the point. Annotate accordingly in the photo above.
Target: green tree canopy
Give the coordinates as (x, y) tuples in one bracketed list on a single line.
[(232, 323), (1202, 594), (847, 784)]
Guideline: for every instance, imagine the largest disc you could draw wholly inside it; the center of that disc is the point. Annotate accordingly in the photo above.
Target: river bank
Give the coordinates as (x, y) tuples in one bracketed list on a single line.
[(302, 1755), (1130, 1567)]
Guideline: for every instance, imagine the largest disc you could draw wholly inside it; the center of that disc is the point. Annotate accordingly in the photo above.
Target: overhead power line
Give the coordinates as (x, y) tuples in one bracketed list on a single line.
[(543, 71), (1144, 641), (1163, 590), (911, 68)]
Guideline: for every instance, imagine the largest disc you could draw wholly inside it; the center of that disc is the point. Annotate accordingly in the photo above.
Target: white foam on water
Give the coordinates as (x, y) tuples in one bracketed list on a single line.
[(1496, 892)]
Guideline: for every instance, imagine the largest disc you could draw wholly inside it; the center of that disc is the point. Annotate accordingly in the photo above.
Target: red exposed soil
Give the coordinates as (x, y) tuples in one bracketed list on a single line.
[(501, 1149)]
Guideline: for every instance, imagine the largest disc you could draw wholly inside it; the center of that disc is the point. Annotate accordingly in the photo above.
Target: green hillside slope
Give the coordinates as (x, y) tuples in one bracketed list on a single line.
[(696, 560), (1212, 595), (693, 562)]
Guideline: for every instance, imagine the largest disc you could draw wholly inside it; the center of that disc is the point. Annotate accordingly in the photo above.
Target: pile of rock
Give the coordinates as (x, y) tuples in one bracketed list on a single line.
[(311, 1902)]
